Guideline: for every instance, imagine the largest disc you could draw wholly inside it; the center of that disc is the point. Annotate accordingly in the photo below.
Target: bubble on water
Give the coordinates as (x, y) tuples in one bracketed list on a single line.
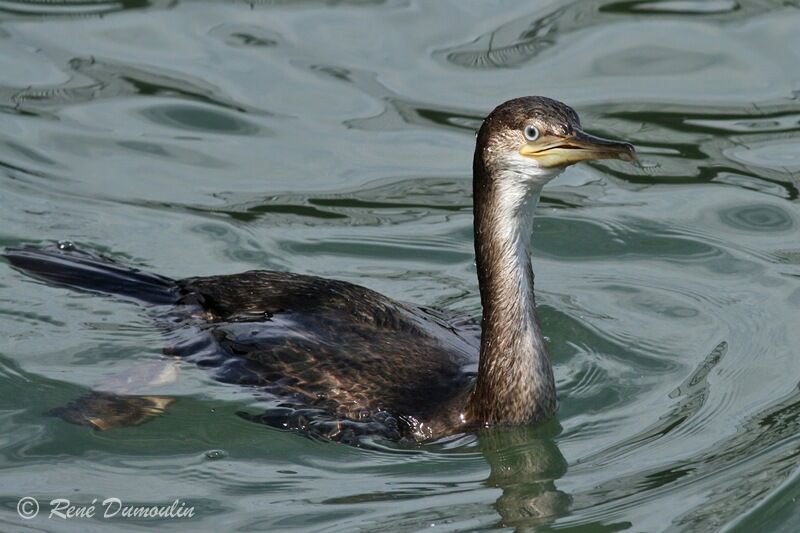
[(66, 246), (213, 455), (649, 165)]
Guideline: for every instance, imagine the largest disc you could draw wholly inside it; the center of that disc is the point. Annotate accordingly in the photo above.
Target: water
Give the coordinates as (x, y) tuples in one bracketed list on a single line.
[(335, 138)]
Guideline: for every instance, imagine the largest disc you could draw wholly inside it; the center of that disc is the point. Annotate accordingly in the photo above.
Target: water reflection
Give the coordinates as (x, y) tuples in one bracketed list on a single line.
[(525, 463), (672, 7), (769, 434), (722, 144), (520, 40), (399, 111), (95, 80), (11, 9), (384, 202), (691, 396)]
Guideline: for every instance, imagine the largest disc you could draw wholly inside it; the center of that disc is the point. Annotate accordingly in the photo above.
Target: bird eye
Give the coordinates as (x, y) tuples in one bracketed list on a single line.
[(531, 132)]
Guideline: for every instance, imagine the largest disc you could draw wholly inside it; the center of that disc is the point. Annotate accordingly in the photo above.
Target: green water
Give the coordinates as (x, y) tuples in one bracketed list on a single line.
[(335, 138)]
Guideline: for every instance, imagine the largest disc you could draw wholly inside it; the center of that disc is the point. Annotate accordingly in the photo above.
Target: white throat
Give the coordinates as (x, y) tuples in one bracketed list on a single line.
[(519, 189)]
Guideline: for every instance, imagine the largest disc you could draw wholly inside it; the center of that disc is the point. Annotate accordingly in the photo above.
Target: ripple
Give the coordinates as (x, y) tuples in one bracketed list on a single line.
[(408, 248), (584, 381), (769, 434), (244, 35), (774, 154), (388, 201), (757, 218), (513, 43), (71, 8), (596, 240), (399, 111), (675, 7), (748, 144), (94, 80), (657, 303), (516, 42), (170, 152), (768, 122), (196, 118), (652, 60)]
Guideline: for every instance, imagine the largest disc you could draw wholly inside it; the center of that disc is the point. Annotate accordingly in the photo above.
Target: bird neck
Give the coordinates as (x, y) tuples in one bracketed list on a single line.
[(515, 382)]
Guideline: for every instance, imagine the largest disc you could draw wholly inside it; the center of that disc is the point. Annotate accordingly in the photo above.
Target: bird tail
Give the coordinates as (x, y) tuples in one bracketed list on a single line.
[(65, 266)]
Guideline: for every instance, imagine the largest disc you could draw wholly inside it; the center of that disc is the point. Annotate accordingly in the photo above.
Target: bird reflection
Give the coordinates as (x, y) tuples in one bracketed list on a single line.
[(525, 463)]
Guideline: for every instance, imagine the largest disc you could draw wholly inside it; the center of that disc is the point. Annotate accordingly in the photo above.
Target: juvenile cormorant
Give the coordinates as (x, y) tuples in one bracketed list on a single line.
[(340, 360)]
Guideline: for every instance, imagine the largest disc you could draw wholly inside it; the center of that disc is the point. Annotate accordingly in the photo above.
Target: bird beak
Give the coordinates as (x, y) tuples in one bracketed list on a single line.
[(579, 146)]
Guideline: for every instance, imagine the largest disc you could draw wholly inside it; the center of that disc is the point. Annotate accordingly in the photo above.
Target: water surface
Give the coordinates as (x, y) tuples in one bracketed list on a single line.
[(335, 138)]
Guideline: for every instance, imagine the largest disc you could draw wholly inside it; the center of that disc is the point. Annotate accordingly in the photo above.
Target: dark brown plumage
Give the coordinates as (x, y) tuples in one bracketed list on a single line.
[(339, 360)]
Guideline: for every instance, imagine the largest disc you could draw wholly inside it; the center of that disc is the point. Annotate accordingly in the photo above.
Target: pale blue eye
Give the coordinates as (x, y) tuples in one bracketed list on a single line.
[(531, 132)]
